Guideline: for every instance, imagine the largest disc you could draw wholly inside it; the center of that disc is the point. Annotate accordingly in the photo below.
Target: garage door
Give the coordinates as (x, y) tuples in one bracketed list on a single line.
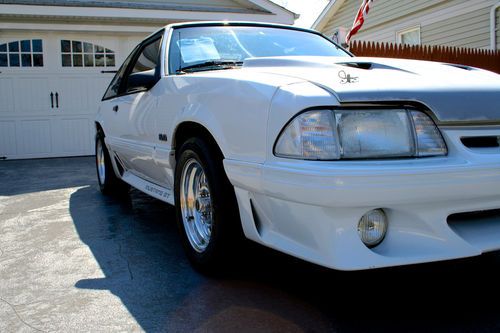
[(50, 87)]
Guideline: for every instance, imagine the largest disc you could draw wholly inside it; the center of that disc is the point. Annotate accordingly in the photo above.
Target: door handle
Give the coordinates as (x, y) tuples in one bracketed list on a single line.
[(57, 100), (115, 108), (52, 100)]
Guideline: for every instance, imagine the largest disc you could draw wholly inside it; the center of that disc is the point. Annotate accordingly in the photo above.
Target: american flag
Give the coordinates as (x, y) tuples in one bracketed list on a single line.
[(359, 20)]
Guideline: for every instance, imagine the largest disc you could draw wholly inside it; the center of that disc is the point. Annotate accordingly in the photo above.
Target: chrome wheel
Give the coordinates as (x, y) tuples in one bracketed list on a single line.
[(196, 205), (101, 163)]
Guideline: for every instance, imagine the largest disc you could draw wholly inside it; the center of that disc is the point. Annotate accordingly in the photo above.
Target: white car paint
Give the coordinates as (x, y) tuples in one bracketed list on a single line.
[(310, 209)]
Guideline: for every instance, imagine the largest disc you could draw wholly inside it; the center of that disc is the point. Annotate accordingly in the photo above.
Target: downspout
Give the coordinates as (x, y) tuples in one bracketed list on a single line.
[(493, 25)]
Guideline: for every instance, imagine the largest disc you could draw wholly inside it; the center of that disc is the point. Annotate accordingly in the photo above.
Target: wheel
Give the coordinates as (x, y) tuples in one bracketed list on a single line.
[(109, 183), (206, 208)]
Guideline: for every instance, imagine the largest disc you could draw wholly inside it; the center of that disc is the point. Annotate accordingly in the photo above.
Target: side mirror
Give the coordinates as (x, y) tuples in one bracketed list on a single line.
[(141, 80)]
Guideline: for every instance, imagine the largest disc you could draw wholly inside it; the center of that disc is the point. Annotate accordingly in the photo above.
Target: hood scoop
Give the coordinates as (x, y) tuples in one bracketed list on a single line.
[(465, 67), (359, 65)]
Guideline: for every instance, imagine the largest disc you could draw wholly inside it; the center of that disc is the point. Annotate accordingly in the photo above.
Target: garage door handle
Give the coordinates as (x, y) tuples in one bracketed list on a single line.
[(52, 100), (115, 108), (57, 100)]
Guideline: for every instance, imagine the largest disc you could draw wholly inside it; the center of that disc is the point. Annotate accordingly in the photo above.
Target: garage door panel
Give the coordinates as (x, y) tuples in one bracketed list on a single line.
[(8, 138), (77, 136), (73, 95), (34, 137), (32, 95), (6, 95)]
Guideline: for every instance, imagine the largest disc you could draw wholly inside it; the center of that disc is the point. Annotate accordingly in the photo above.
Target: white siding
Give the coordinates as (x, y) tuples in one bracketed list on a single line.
[(466, 30), (343, 18), (381, 12), (498, 29), (462, 23)]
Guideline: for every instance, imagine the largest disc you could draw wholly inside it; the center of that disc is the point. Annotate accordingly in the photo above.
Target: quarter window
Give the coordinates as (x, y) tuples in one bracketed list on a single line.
[(76, 53), (22, 53)]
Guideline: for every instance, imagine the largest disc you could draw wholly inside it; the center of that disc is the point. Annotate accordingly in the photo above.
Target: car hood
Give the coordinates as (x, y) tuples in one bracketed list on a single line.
[(454, 93)]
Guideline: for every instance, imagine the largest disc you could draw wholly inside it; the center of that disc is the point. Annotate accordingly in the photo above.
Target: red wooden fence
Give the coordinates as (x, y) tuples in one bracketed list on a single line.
[(486, 59)]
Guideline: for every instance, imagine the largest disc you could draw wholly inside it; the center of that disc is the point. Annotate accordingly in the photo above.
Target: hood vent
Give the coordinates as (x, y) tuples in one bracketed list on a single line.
[(359, 65), (467, 68)]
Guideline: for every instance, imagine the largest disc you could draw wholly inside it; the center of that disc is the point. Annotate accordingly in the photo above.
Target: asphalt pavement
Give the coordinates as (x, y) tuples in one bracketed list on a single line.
[(74, 260)]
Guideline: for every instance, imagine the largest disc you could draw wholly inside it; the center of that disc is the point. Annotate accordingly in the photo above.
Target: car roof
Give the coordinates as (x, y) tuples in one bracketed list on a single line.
[(232, 23)]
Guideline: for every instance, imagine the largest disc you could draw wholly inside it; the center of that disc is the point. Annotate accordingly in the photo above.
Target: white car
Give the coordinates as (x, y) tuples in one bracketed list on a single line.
[(277, 133)]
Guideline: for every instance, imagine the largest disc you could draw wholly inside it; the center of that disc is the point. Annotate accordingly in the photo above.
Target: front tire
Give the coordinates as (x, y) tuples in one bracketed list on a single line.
[(109, 183), (206, 208)]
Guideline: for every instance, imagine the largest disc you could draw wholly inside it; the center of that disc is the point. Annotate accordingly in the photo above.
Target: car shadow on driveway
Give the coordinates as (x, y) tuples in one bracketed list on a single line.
[(135, 242)]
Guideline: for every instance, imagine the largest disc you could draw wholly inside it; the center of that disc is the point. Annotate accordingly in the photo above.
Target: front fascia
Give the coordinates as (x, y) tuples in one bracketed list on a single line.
[(310, 209)]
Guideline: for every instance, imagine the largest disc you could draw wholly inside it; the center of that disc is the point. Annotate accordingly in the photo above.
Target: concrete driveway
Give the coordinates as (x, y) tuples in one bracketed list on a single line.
[(74, 260)]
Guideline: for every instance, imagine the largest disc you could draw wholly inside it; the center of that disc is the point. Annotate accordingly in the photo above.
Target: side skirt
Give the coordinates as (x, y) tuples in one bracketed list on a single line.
[(156, 191)]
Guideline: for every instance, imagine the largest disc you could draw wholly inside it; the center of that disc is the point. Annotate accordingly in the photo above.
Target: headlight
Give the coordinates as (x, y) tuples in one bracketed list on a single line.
[(355, 134)]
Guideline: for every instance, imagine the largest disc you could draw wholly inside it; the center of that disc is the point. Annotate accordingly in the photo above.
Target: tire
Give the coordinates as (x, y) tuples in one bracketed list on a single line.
[(207, 215), (109, 183)]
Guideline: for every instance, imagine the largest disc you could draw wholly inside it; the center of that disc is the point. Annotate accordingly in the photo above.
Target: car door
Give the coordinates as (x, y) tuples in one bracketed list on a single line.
[(130, 124)]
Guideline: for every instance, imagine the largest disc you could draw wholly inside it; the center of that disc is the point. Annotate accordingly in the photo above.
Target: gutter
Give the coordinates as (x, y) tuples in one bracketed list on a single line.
[(493, 25)]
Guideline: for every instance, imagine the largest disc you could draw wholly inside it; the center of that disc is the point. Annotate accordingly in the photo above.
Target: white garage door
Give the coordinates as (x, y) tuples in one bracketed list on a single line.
[(50, 87)]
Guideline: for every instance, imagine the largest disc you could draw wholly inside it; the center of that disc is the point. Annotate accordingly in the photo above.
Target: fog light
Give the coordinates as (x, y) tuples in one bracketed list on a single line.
[(372, 227)]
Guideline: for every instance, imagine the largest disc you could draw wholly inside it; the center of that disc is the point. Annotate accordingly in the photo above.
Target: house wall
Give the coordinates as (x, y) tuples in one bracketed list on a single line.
[(461, 23), (498, 28)]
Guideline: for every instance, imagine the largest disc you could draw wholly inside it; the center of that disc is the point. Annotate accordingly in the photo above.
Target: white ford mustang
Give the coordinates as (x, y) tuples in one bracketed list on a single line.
[(277, 133)]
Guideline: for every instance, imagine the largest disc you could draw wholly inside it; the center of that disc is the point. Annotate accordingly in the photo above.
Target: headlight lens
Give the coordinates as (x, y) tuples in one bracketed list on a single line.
[(355, 134), (310, 135)]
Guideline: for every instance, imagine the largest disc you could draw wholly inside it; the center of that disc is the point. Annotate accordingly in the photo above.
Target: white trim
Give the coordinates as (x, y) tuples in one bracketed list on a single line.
[(326, 14), (493, 26), (145, 14), (272, 6), (400, 33), (77, 27)]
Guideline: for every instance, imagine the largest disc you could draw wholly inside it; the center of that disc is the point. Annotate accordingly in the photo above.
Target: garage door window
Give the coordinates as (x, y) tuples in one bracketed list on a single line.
[(22, 53), (76, 53)]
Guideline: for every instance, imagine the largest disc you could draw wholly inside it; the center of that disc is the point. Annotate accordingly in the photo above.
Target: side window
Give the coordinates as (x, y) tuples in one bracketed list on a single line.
[(149, 57), (139, 72), (114, 87), (144, 71)]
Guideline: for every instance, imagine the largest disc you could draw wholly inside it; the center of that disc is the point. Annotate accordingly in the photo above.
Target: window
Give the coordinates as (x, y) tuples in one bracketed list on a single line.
[(76, 53), (409, 36), (139, 71), (144, 69), (148, 59), (114, 87), (22, 53)]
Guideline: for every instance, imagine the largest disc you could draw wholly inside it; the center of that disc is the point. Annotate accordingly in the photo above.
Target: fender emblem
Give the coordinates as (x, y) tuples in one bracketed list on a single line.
[(347, 78), (162, 137)]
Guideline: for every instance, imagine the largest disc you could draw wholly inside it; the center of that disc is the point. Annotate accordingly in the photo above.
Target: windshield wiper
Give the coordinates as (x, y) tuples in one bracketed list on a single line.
[(209, 65)]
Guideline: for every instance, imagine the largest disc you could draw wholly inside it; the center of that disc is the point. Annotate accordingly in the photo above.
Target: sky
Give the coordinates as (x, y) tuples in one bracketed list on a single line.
[(309, 10)]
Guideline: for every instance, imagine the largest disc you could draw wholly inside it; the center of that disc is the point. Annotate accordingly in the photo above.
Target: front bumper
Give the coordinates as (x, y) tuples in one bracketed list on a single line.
[(311, 209)]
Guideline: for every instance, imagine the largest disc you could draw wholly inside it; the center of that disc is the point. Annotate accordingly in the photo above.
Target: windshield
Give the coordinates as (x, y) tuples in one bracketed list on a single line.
[(219, 45)]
